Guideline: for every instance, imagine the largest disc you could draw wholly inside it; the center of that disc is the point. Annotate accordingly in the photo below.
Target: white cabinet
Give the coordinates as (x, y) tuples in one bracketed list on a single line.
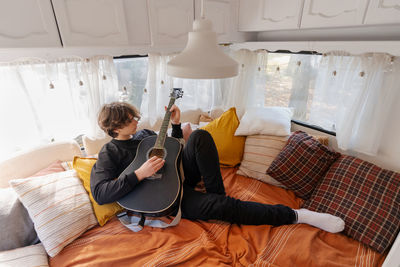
[(337, 13), (264, 15), (170, 21), (102, 22), (383, 12), (224, 15), (28, 23)]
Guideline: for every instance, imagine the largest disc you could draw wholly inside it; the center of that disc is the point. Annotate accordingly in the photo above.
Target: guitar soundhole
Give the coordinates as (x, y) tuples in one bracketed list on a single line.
[(157, 152)]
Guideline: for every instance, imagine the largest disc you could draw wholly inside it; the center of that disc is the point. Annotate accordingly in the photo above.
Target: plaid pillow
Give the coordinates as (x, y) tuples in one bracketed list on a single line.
[(302, 163), (365, 196)]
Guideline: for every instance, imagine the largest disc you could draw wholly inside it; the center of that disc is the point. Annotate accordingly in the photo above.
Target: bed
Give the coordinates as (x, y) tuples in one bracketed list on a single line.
[(195, 243)]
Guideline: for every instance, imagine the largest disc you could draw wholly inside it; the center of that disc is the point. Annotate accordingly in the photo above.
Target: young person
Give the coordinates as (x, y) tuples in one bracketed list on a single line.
[(199, 159)]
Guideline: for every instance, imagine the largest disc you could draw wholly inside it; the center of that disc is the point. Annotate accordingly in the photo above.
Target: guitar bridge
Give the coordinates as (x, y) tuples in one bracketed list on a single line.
[(155, 176)]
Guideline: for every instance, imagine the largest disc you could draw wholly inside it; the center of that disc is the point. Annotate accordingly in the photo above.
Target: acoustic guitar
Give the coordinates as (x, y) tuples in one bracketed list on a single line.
[(158, 195)]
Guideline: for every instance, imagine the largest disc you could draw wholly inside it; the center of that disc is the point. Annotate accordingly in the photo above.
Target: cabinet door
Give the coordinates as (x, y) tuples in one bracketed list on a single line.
[(28, 23), (383, 12), (328, 13), (224, 15), (91, 22), (264, 15), (220, 13), (170, 21)]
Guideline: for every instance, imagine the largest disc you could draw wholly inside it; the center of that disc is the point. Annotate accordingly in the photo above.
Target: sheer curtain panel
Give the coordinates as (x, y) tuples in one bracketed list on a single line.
[(43, 101)]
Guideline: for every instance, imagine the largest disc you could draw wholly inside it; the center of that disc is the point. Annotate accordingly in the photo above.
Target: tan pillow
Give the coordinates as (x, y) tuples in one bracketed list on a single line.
[(205, 118), (186, 131), (259, 152)]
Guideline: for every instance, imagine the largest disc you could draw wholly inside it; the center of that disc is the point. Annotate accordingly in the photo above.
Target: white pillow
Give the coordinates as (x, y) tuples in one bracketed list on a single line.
[(29, 256), (59, 207), (265, 120)]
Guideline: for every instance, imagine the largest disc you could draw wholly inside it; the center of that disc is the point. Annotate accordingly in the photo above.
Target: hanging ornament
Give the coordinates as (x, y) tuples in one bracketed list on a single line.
[(80, 83), (51, 85), (124, 95), (104, 77)]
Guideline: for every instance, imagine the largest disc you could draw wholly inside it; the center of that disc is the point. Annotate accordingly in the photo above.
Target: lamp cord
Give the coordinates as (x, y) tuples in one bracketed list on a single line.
[(202, 10)]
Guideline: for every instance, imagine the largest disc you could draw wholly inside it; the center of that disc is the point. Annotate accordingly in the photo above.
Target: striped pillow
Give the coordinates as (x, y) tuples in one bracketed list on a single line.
[(259, 152), (59, 207), (29, 256)]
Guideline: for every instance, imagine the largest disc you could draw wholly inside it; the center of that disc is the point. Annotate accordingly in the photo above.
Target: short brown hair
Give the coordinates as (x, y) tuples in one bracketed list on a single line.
[(116, 115)]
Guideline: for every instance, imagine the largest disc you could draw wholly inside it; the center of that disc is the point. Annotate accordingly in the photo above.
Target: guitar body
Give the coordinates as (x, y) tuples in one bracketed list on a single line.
[(159, 195)]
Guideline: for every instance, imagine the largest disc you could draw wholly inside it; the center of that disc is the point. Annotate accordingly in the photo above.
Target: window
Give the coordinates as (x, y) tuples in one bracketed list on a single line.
[(46, 101), (132, 75), (290, 81)]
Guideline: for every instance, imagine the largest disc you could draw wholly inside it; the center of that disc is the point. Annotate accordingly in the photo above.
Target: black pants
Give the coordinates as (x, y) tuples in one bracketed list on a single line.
[(200, 159)]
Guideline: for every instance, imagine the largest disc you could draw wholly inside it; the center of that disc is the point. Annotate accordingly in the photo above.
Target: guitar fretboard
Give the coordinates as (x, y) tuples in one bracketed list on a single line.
[(164, 126)]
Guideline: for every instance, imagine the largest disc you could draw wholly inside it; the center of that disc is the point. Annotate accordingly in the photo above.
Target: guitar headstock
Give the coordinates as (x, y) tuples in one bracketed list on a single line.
[(176, 93)]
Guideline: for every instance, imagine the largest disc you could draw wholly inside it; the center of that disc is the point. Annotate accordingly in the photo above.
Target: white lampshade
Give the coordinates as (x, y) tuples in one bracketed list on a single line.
[(202, 58)]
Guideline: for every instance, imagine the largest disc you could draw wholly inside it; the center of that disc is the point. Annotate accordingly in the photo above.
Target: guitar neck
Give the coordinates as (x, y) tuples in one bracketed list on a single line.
[(164, 126)]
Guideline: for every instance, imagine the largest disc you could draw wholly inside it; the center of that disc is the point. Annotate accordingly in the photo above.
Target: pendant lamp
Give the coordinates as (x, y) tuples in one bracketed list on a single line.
[(202, 58)]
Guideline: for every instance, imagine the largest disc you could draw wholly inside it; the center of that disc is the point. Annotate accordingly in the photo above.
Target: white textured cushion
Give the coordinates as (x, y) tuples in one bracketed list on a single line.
[(259, 152), (16, 226), (265, 120), (29, 256), (58, 206)]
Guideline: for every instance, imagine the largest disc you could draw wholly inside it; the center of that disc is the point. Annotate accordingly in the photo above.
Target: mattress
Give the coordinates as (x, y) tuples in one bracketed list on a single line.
[(215, 243)]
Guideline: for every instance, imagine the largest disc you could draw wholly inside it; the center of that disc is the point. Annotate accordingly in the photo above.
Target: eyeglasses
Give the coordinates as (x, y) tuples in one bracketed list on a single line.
[(136, 118)]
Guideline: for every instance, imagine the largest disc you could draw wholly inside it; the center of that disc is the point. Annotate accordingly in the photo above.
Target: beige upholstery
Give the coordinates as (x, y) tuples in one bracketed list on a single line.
[(31, 161), (92, 146)]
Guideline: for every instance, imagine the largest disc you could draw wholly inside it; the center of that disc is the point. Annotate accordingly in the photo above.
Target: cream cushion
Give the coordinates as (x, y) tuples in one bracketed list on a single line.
[(93, 145), (259, 152), (28, 162), (29, 256), (59, 207)]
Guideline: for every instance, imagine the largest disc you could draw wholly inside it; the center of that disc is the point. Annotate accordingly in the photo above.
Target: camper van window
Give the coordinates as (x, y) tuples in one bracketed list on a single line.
[(289, 80), (45, 101), (132, 75)]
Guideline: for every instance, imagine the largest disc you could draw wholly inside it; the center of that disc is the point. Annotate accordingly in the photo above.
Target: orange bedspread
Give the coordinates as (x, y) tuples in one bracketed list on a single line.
[(198, 243)]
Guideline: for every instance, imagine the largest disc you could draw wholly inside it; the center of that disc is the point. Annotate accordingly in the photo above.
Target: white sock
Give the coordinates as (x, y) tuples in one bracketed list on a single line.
[(324, 221)]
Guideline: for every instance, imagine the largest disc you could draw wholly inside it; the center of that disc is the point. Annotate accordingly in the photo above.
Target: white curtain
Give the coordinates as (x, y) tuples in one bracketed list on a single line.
[(203, 95), (248, 88), (355, 95), (43, 101)]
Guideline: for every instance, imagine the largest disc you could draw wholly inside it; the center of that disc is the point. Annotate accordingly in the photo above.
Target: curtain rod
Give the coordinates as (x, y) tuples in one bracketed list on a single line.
[(352, 47)]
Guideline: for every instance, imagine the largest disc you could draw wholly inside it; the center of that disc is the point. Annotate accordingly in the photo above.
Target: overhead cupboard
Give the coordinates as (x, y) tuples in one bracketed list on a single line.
[(264, 15), (112, 23)]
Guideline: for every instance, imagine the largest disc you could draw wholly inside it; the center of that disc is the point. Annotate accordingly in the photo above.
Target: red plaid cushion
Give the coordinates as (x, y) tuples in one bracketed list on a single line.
[(365, 196), (302, 163)]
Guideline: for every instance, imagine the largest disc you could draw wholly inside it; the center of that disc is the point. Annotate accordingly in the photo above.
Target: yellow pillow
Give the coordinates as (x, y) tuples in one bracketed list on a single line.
[(83, 167), (230, 148)]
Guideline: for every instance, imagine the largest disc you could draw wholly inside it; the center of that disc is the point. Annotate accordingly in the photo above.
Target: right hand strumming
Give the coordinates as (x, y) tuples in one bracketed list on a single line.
[(149, 168)]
